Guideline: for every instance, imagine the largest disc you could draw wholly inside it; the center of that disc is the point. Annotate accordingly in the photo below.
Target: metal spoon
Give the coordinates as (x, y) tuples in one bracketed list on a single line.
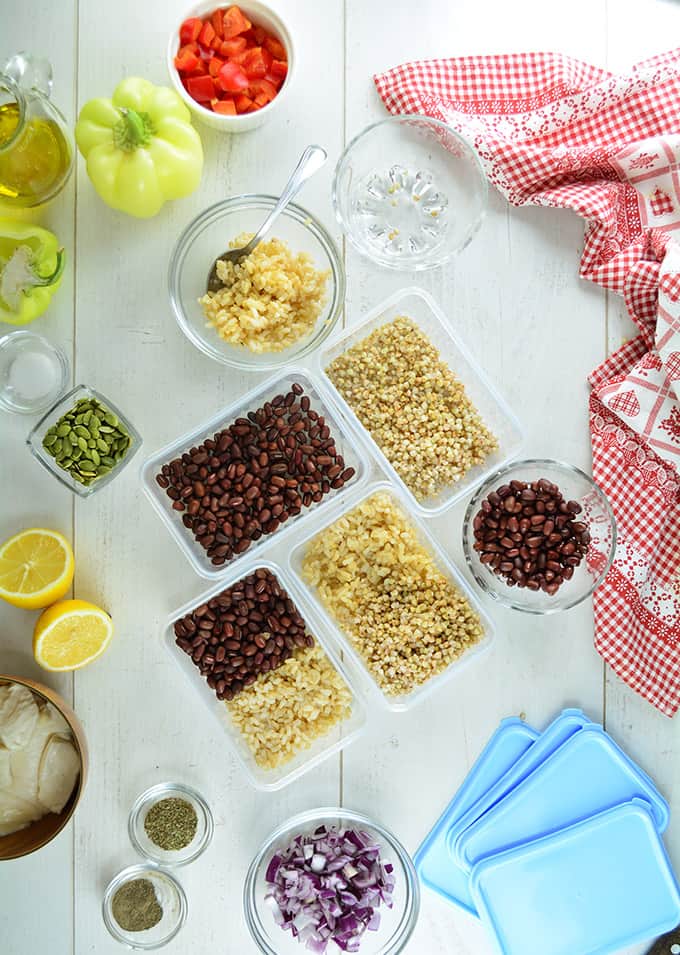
[(311, 161)]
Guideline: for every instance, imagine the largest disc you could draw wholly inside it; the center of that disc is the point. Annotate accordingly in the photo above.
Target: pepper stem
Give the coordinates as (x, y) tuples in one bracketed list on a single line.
[(42, 280), (132, 130)]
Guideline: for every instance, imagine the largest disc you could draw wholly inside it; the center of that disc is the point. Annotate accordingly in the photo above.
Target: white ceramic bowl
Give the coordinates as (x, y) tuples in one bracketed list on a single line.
[(261, 15)]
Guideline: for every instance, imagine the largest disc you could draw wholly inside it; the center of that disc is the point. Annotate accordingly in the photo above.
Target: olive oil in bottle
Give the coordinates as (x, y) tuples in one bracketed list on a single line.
[(35, 157)]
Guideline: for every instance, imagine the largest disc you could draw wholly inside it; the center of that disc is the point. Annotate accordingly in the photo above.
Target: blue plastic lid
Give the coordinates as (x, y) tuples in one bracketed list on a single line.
[(591, 889), (559, 731), (434, 865), (587, 774)]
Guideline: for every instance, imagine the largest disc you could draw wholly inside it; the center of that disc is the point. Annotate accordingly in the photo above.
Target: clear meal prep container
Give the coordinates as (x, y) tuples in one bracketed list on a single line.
[(297, 552), (348, 441), (423, 310), (323, 747)]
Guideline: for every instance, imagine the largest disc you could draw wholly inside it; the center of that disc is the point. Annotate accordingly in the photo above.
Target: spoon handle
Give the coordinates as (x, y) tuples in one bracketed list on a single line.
[(310, 162)]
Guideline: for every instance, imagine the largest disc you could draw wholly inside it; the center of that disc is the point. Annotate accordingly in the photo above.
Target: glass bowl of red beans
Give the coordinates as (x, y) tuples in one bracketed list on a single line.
[(539, 536)]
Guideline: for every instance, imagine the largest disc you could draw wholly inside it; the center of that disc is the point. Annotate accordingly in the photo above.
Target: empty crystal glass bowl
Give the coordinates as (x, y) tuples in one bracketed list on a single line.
[(595, 512), (209, 235), (396, 923), (409, 192)]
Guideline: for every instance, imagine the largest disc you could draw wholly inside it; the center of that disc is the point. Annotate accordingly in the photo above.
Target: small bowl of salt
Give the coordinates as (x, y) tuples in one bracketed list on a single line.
[(33, 372)]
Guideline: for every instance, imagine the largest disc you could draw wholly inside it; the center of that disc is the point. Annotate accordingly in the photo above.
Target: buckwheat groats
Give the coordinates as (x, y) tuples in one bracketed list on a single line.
[(405, 618), (414, 407)]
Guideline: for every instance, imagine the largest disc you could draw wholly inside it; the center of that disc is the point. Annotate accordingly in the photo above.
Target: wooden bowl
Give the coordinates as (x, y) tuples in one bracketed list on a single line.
[(39, 833)]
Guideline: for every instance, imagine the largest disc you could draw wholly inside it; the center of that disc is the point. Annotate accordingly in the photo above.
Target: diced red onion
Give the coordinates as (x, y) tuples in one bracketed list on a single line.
[(329, 886)]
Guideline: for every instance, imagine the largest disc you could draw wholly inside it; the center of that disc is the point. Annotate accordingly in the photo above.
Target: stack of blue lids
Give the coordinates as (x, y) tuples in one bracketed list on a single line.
[(554, 842)]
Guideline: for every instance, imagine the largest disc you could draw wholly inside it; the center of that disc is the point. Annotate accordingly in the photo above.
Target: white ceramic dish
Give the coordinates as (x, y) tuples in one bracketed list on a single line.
[(261, 15)]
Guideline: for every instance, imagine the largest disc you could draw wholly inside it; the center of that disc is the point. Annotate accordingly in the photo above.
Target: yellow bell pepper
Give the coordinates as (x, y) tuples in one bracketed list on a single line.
[(31, 266), (140, 147)]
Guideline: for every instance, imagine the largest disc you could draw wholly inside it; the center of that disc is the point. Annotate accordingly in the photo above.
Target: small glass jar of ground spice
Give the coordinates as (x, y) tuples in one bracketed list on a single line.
[(84, 441), (144, 906), (171, 824)]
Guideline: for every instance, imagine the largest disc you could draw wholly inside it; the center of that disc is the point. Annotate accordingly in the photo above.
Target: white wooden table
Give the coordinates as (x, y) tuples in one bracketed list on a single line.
[(513, 296)]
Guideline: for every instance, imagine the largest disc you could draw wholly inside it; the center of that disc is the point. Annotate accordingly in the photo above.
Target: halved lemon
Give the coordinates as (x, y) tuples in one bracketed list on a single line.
[(36, 568), (71, 634)]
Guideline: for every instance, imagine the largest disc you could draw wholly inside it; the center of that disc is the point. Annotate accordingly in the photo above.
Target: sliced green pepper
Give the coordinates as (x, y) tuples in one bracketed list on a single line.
[(31, 266)]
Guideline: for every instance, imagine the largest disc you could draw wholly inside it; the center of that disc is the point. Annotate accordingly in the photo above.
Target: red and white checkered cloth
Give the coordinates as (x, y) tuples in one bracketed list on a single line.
[(553, 131)]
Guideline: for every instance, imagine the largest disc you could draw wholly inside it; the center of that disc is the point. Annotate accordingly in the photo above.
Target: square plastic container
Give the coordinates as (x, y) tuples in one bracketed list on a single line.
[(496, 414), (335, 740), (60, 408), (407, 700), (347, 440)]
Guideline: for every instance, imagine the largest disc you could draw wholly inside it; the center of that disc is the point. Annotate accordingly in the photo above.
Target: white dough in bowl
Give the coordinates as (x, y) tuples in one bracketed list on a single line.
[(5, 771), (18, 715), (59, 768), (25, 763), (17, 812)]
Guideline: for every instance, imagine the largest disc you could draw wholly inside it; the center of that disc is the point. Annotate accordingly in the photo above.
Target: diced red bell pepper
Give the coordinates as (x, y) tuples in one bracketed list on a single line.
[(186, 60), (244, 104), (230, 48), (275, 47), (255, 64), (262, 91), (235, 22), (232, 78), (279, 69), (201, 88), (201, 69), (207, 34), (259, 35), (217, 20), (226, 107), (215, 65), (189, 30)]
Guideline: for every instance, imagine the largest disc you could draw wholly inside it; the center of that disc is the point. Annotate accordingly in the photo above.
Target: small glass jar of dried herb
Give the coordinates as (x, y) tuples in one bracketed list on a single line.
[(171, 824)]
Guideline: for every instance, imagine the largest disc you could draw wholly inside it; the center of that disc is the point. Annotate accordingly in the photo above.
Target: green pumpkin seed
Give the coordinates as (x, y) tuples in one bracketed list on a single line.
[(91, 443), (108, 461), (76, 454), (94, 457), (63, 430), (103, 469), (81, 432), (82, 444), (111, 419), (73, 438), (106, 429), (49, 440), (102, 445)]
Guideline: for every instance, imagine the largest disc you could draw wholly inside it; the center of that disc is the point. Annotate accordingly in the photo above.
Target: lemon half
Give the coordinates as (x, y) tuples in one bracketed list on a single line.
[(36, 568), (71, 634)]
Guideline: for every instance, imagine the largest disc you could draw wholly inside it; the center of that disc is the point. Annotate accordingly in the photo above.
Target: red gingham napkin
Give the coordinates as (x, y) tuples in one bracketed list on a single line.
[(553, 131)]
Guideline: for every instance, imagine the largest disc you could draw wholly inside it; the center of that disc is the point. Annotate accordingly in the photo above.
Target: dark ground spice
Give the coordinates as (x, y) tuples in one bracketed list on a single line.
[(135, 906)]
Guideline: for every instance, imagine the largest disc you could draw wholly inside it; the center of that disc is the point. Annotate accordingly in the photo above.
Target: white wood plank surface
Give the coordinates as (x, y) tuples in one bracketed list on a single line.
[(513, 296)]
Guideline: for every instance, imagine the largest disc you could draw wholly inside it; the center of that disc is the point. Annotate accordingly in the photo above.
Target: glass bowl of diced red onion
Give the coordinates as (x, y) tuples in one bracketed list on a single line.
[(329, 881)]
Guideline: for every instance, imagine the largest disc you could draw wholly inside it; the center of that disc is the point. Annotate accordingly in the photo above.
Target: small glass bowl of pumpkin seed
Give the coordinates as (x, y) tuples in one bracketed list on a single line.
[(84, 440)]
